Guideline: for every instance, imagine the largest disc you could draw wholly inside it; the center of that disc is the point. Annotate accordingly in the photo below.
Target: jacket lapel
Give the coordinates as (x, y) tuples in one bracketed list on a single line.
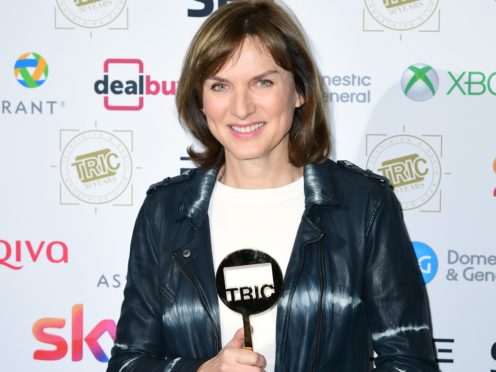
[(194, 255)]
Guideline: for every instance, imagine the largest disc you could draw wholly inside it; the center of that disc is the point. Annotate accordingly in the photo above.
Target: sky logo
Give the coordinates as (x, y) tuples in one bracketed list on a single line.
[(427, 260), (58, 345)]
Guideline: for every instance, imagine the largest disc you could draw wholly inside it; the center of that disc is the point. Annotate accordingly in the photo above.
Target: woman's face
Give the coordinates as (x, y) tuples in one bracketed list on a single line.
[(249, 106)]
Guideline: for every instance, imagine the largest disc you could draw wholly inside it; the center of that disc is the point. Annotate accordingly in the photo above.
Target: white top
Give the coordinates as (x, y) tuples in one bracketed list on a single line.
[(263, 219)]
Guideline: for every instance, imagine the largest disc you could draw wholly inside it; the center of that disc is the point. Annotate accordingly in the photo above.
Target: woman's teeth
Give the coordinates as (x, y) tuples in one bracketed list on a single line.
[(250, 128)]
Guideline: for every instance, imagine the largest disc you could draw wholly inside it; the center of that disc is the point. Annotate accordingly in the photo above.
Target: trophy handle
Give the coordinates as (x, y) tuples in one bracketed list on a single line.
[(247, 329)]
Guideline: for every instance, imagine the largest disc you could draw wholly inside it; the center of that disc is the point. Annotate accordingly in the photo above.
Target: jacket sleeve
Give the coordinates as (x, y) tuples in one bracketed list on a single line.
[(395, 297), (139, 343)]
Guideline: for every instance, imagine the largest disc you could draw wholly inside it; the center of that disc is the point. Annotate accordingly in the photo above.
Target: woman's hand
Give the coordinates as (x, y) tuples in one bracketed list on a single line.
[(233, 357)]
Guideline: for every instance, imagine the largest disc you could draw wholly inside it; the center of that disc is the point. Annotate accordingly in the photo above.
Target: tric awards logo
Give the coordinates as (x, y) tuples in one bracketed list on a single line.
[(91, 13), (412, 166), (427, 260), (420, 82), (31, 70), (96, 167), (401, 15)]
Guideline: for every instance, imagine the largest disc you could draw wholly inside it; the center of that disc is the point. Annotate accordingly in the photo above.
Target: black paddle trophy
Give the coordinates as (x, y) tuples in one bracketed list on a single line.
[(249, 282)]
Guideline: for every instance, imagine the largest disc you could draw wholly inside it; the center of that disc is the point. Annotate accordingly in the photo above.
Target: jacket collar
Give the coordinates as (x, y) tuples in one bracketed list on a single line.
[(318, 188), (318, 185)]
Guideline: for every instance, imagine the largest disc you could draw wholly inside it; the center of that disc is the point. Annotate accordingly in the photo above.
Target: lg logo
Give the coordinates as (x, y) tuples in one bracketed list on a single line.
[(427, 260), (208, 7)]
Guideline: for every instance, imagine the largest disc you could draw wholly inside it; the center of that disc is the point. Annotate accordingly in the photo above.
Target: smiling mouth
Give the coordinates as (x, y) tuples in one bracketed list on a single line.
[(247, 128)]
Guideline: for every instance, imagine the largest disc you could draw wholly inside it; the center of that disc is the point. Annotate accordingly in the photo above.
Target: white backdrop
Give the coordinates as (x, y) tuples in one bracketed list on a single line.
[(77, 158)]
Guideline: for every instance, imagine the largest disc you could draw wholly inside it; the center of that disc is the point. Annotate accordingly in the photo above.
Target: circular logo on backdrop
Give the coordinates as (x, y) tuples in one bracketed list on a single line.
[(31, 70), (96, 167), (91, 13), (420, 82), (411, 165), (401, 14), (427, 260)]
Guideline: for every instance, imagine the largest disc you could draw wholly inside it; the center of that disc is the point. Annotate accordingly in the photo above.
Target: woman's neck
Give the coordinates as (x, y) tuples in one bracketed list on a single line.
[(252, 174)]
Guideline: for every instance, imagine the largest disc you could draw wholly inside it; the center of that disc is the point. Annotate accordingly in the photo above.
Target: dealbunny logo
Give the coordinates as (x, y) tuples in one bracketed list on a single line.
[(427, 260)]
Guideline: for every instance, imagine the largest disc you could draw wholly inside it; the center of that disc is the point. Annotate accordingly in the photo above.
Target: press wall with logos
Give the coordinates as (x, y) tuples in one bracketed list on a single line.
[(88, 122)]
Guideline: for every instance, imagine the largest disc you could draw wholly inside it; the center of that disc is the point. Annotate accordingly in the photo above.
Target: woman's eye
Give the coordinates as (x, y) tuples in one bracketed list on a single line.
[(219, 87), (264, 83)]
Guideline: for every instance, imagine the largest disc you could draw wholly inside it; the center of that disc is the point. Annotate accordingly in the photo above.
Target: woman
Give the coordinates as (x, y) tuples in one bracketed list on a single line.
[(251, 95)]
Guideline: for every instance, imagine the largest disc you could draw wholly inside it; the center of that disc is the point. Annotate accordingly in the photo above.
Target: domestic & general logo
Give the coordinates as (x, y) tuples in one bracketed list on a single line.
[(427, 260), (350, 88)]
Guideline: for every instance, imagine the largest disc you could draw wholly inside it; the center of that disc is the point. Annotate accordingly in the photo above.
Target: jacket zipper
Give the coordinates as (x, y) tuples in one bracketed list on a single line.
[(166, 296), (293, 289), (319, 312), (203, 301)]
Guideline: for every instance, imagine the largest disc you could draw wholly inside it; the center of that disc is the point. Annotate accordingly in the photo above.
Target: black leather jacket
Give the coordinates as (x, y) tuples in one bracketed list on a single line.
[(352, 280)]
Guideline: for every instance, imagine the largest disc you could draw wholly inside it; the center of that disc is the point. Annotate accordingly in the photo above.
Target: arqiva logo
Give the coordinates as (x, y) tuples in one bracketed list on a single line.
[(125, 84), (59, 345), (14, 255)]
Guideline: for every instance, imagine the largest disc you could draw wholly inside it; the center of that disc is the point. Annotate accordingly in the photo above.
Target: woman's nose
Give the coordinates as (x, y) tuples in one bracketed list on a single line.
[(243, 104)]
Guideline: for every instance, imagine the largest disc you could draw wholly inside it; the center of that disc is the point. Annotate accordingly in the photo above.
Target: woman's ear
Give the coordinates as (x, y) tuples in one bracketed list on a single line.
[(299, 100)]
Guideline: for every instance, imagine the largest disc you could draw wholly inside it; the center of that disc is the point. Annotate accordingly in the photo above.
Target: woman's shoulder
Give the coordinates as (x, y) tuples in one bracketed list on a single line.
[(355, 172), (164, 198), (179, 180), (351, 181), (191, 188)]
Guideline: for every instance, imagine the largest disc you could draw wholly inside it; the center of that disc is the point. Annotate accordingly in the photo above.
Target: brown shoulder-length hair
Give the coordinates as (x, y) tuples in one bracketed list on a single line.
[(278, 32)]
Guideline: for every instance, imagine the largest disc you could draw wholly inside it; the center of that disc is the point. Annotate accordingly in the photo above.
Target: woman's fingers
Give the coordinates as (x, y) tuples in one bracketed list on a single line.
[(238, 341), (233, 357)]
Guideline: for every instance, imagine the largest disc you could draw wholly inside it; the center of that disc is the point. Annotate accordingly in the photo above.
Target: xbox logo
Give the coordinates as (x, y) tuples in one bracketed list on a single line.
[(419, 82)]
